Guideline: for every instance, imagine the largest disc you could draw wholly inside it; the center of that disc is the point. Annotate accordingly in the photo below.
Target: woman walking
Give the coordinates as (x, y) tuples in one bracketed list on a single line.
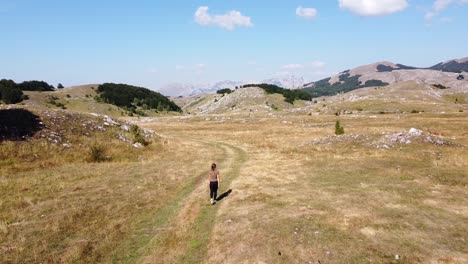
[(213, 176)]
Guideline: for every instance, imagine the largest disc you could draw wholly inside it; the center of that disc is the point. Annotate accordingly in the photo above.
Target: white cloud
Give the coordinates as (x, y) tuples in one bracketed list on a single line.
[(317, 64), (292, 66), (306, 12), (229, 21), (439, 5), (373, 7)]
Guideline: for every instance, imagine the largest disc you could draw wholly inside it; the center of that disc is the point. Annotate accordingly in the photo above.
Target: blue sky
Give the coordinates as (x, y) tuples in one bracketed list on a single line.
[(154, 43)]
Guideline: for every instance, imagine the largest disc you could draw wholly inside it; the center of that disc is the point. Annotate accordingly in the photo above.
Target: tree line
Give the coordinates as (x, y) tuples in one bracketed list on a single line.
[(132, 97), (12, 93), (289, 95)]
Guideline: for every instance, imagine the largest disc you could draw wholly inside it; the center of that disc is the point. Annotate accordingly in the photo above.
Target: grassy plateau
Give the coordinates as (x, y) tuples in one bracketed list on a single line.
[(299, 194)]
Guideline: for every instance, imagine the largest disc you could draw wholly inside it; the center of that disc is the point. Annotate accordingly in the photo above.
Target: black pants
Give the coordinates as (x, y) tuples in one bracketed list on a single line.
[(213, 189)]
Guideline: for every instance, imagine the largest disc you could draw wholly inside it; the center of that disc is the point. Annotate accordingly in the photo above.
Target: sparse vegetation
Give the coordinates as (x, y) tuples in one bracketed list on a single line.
[(53, 100)]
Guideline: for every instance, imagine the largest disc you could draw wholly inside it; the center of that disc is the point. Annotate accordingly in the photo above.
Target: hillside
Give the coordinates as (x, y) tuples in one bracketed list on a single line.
[(84, 98), (450, 74), (240, 101), (402, 97)]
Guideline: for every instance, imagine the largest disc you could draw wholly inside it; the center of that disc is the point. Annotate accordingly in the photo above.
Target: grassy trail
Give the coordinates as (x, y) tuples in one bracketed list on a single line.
[(181, 230)]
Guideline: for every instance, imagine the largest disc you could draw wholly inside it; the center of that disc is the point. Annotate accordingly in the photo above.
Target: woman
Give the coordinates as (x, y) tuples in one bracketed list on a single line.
[(213, 176)]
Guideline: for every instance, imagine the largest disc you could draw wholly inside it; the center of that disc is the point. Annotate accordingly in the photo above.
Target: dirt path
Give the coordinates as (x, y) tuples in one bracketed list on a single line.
[(184, 238)]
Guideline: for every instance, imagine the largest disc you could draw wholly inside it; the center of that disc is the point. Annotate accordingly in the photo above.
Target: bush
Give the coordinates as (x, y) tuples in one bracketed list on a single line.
[(53, 101), (135, 129), (97, 154), (11, 96), (137, 136), (440, 86), (339, 130), (140, 139)]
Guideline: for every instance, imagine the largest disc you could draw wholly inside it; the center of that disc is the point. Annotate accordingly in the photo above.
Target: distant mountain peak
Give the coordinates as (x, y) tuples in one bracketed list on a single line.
[(289, 81)]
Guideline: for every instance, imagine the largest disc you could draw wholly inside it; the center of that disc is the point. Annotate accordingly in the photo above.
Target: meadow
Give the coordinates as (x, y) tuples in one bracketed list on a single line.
[(299, 194)]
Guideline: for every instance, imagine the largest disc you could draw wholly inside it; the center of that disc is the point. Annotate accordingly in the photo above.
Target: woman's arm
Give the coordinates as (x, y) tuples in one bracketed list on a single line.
[(218, 177)]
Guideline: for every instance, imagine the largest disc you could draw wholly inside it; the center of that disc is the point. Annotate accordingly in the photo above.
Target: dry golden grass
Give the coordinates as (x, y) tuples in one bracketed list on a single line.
[(346, 202), (293, 200)]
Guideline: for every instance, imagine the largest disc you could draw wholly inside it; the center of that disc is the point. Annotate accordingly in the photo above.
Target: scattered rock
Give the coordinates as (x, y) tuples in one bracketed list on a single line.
[(414, 132), (137, 145)]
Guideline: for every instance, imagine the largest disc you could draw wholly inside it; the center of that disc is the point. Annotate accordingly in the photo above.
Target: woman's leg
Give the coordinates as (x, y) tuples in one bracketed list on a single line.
[(215, 194), (211, 190)]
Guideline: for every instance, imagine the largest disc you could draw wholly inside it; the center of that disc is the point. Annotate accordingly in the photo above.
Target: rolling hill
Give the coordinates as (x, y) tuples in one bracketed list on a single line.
[(451, 74)]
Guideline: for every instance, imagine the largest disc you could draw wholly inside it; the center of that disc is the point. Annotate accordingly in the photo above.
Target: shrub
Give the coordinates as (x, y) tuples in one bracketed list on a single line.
[(97, 154), (137, 136), (339, 130), (414, 111), (140, 139), (135, 129), (440, 86), (11, 96)]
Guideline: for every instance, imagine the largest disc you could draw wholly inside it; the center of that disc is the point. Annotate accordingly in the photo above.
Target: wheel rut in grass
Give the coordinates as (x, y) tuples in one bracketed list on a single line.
[(185, 236)]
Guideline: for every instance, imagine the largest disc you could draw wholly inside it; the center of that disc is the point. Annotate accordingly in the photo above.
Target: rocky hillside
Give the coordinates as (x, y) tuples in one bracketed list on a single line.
[(244, 100), (451, 74)]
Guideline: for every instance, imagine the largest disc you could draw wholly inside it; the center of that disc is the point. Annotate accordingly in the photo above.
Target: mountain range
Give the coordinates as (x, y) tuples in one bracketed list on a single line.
[(452, 73), (181, 89)]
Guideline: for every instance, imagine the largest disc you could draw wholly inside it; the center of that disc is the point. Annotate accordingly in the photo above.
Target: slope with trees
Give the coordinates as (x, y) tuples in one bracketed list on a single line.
[(133, 97), (347, 83), (289, 95)]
